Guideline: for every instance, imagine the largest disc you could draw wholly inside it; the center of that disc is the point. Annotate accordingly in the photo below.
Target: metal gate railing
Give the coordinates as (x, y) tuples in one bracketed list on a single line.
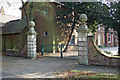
[(59, 51)]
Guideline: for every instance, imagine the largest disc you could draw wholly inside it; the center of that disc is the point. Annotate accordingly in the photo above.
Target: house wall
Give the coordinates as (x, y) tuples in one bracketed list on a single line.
[(115, 41), (1, 39), (57, 34), (23, 35), (10, 40), (111, 38), (45, 23), (99, 37), (0, 43), (17, 40), (48, 23)]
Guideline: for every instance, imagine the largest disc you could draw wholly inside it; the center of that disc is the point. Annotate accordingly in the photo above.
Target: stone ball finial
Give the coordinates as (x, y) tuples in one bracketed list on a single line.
[(83, 17), (32, 23)]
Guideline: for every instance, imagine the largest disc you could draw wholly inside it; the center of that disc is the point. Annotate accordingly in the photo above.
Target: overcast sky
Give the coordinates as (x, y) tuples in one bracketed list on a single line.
[(11, 7)]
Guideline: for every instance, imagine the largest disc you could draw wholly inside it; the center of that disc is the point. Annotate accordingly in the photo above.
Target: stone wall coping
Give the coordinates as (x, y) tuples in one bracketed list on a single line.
[(103, 53)]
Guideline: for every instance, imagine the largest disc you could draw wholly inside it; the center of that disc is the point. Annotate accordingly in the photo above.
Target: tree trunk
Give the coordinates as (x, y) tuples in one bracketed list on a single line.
[(25, 12), (119, 43), (69, 37), (31, 12)]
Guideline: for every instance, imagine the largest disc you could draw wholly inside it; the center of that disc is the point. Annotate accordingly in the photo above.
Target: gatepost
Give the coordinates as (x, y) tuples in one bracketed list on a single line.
[(82, 40), (31, 41)]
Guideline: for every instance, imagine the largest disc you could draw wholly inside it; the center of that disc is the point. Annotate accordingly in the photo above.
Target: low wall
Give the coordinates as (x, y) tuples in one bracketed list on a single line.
[(16, 53), (97, 57)]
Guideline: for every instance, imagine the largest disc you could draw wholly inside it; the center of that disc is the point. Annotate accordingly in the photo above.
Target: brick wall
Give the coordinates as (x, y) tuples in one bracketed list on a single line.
[(97, 57)]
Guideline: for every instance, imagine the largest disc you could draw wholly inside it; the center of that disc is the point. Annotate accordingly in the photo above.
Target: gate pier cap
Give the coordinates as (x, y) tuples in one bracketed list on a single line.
[(83, 17)]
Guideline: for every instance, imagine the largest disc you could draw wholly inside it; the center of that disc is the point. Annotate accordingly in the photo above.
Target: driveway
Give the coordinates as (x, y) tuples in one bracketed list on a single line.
[(46, 67)]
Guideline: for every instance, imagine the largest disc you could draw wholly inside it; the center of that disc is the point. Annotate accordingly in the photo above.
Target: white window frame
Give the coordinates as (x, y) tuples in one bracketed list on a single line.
[(109, 29), (99, 27), (45, 33), (99, 39), (109, 38)]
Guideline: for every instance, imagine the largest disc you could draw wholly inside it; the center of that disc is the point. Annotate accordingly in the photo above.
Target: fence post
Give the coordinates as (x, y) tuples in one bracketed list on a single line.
[(61, 51), (42, 49)]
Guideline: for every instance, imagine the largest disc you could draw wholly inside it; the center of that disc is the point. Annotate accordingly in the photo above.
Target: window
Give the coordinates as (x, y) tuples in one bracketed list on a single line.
[(109, 38), (99, 27), (46, 12), (99, 39), (109, 29), (45, 33)]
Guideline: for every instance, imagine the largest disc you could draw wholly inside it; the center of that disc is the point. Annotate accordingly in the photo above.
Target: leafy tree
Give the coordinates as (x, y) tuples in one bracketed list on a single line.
[(71, 19), (113, 19), (96, 12), (29, 8)]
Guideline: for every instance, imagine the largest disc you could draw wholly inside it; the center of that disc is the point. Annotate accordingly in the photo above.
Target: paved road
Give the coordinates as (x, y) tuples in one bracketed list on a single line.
[(46, 67)]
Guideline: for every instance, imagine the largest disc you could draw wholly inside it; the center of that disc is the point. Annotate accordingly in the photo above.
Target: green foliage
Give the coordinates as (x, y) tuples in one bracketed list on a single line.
[(34, 7), (96, 12), (114, 16), (107, 52)]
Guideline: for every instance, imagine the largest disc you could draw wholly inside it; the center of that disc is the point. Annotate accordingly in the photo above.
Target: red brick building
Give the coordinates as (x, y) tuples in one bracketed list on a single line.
[(103, 38), (49, 32)]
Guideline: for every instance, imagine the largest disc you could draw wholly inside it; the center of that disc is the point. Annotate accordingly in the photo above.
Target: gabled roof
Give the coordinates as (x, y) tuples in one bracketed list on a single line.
[(15, 26)]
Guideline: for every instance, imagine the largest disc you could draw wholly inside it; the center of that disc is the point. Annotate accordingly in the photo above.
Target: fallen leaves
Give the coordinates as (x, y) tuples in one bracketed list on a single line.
[(86, 74)]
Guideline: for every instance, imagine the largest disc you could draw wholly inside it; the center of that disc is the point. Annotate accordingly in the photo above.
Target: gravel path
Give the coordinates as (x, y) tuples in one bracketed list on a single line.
[(46, 67)]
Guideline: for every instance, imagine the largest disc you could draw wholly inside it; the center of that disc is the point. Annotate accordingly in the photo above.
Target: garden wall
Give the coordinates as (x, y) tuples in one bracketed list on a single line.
[(97, 57)]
